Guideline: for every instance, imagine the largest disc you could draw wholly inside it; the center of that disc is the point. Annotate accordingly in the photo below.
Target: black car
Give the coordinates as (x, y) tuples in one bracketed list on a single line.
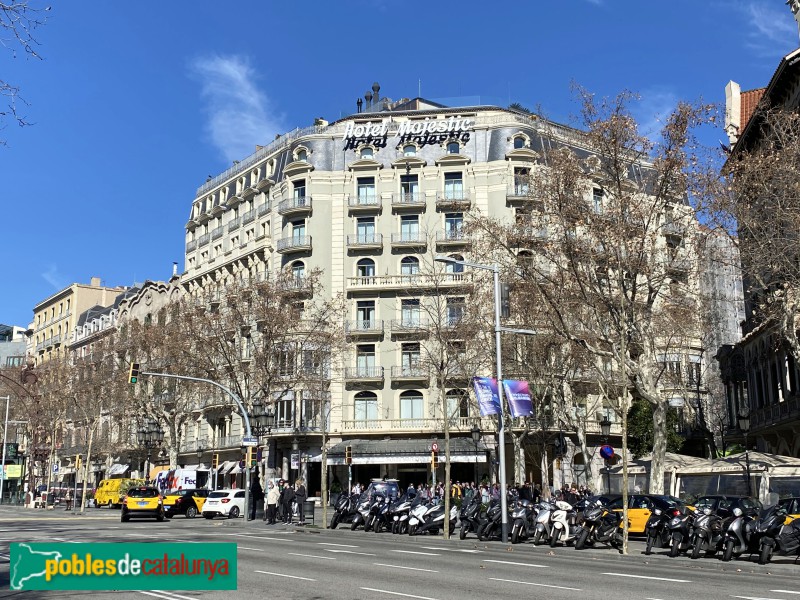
[(184, 502)]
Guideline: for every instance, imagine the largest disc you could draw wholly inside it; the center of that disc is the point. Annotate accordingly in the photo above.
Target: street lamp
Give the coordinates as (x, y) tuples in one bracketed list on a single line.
[(475, 432), (605, 431), (149, 435), (744, 426), (501, 432), (263, 418)]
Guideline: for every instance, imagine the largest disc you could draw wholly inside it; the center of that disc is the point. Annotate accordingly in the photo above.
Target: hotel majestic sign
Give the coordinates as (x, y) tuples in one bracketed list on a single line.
[(423, 131)]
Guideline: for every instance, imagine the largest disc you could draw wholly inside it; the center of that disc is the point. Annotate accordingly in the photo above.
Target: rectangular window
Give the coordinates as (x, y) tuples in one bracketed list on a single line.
[(453, 186), (366, 190), (365, 230), (455, 311), (410, 313), (298, 229), (521, 179), (365, 314), (409, 186), (453, 223), (597, 200), (299, 188), (410, 356), (284, 410), (366, 409), (409, 228), (411, 407), (365, 360)]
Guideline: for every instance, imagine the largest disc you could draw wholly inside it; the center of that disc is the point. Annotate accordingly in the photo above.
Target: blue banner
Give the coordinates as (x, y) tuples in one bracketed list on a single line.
[(518, 397), (487, 394)]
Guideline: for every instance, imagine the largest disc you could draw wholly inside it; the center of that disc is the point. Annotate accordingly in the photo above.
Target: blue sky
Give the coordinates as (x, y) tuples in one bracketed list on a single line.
[(136, 103)]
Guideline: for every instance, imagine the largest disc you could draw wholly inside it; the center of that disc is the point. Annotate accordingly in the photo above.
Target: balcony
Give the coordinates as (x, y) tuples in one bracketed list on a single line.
[(782, 413), (234, 225), (410, 373), (364, 328), (527, 235), (519, 194), (416, 281), (263, 209), (248, 217), (203, 240), (673, 229), (409, 327), (364, 204), (217, 232), (454, 237), (365, 241), (414, 201), (421, 425), (354, 375), (456, 199), (295, 206), (297, 243), (409, 239), (297, 285), (679, 265), (191, 245)]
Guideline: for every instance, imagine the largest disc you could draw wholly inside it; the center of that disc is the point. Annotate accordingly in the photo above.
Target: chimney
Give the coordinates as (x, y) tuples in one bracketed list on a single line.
[(376, 88), (174, 269), (733, 111), (368, 98), (95, 282)]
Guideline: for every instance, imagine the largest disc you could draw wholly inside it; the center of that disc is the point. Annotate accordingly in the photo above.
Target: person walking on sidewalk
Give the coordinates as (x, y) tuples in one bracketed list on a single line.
[(256, 496), (300, 496), (287, 497), (273, 496)]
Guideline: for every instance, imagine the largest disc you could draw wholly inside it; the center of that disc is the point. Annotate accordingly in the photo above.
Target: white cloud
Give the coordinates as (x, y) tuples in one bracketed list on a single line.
[(239, 113), (652, 111), (53, 277), (773, 29)]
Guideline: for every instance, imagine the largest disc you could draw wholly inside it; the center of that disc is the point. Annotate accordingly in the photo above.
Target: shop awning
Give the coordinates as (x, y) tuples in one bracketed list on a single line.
[(236, 469), (200, 467), (117, 469), (226, 466), (66, 471), (402, 452)]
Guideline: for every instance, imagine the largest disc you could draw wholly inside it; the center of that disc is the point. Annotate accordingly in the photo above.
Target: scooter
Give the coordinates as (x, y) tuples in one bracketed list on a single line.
[(564, 527), (738, 535), (767, 530), (543, 528), (522, 523), (398, 512), (362, 512), (599, 525), (344, 510), (709, 531), (433, 520), (417, 513), (470, 516), (680, 530), (657, 528)]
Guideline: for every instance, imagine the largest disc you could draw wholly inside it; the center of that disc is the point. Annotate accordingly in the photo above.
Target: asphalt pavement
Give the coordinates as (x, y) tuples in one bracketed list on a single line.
[(305, 563)]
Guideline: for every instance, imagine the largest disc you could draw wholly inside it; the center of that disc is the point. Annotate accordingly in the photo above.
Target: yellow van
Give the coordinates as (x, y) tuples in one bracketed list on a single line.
[(111, 492)]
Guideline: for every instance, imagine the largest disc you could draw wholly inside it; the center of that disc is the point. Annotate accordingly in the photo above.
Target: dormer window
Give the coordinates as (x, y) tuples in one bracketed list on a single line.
[(409, 150), (366, 153), (453, 148), (519, 142), (301, 154)]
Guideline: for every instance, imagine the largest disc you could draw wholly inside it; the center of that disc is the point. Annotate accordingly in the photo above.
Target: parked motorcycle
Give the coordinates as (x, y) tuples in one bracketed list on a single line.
[(433, 520), (362, 512), (738, 535), (470, 516), (381, 514), (416, 514), (344, 509), (709, 531), (598, 525), (788, 541), (680, 530), (398, 513), (564, 524), (657, 528), (766, 532), (491, 522), (544, 527), (522, 521)]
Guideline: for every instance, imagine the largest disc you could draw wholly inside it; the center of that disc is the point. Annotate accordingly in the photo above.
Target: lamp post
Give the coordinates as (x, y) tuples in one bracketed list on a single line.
[(5, 437), (263, 418), (296, 449), (475, 432), (743, 419), (501, 432), (605, 431), (149, 435)]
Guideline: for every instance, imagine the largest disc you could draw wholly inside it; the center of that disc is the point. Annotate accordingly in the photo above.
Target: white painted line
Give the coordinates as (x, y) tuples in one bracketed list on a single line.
[(156, 595), (406, 568), (784, 591), (508, 562), (338, 545), (558, 587), (246, 548), (284, 575), (412, 552), (349, 552), (174, 595), (312, 556), (450, 549), (397, 594), (255, 537), (754, 598), (646, 577)]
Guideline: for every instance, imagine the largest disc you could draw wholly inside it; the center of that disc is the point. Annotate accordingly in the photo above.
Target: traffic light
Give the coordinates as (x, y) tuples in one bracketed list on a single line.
[(215, 461), (348, 455), (251, 460), (78, 463), (434, 460), (133, 377), (505, 300)]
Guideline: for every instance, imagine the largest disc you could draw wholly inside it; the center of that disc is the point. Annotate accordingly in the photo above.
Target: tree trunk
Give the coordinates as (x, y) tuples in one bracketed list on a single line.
[(579, 430), (324, 490), (519, 464), (446, 482), (625, 468), (86, 465), (659, 448), (545, 474)]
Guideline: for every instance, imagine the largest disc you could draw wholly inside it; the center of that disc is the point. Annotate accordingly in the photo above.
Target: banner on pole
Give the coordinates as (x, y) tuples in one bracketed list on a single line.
[(519, 398), (487, 394)]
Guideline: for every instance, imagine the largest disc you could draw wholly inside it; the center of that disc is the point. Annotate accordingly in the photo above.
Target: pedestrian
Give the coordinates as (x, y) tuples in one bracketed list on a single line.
[(486, 497), (287, 497), (411, 492), (256, 496), (300, 495), (525, 492), (68, 500), (537, 494), (273, 496), (281, 484)]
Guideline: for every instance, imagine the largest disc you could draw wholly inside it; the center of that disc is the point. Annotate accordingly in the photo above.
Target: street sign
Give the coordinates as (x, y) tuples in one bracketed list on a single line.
[(250, 441), (434, 447), (55, 468)]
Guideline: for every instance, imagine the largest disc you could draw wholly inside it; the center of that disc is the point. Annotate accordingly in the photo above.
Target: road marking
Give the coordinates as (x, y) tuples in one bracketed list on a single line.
[(349, 552), (646, 577), (174, 595), (312, 556), (412, 552), (255, 537), (755, 597), (246, 548), (284, 575), (558, 587), (450, 549), (397, 594), (785, 591), (339, 545), (508, 562), (406, 568)]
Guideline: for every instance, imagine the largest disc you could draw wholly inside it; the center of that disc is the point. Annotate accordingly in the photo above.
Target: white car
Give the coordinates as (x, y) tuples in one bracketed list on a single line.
[(226, 503)]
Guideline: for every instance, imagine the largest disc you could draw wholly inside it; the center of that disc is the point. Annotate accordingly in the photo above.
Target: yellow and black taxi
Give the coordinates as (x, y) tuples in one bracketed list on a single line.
[(188, 503), (641, 506), (143, 501), (792, 508)]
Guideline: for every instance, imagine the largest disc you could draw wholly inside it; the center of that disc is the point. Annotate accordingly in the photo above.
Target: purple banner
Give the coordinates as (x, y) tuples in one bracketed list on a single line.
[(519, 398), (487, 394)]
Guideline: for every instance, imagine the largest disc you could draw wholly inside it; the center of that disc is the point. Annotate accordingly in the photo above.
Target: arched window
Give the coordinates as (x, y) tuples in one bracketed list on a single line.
[(453, 148), (411, 405), (366, 152), (457, 405), (365, 267), (365, 405), (301, 154), (454, 267), (409, 265), (519, 142), (298, 270), (409, 150)]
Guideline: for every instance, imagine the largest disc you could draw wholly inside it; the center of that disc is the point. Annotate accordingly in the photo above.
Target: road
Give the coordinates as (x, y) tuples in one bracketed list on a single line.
[(296, 563)]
